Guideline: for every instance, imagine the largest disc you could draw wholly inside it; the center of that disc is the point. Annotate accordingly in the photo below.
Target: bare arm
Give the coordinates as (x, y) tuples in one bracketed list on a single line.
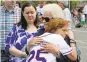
[(14, 51), (48, 47), (72, 55)]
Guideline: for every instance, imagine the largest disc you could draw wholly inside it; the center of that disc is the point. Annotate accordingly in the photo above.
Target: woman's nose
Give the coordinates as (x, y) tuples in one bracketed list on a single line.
[(29, 14)]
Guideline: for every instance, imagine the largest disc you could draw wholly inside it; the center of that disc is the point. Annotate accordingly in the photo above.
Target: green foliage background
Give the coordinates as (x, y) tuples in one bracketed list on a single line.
[(72, 3)]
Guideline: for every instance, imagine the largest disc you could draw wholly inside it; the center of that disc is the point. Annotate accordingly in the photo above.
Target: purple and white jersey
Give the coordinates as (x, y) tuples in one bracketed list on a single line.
[(36, 55)]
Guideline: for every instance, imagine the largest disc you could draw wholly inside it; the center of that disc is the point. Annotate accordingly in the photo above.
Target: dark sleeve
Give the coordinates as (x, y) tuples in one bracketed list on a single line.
[(40, 31)]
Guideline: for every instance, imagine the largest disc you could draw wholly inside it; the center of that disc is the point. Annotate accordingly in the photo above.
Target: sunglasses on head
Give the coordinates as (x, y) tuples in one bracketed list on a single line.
[(46, 19)]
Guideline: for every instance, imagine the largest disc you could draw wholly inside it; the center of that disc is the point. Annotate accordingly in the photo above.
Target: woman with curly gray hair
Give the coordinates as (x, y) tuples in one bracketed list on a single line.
[(50, 12)]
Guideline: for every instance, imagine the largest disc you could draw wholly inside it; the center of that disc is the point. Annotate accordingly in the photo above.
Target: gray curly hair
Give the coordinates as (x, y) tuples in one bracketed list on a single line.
[(54, 9)]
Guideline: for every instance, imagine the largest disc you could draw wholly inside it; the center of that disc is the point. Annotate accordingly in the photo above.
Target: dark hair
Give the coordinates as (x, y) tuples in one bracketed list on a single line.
[(80, 10), (18, 2), (23, 22)]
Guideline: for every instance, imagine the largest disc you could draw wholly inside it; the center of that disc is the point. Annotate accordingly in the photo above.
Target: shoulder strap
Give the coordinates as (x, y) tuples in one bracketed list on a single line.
[(67, 40)]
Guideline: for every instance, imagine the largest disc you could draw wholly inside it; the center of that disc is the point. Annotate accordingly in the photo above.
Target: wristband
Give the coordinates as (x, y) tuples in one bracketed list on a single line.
[(73, 41)]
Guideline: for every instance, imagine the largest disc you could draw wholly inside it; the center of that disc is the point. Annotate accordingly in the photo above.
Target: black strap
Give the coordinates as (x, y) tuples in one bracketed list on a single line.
[(26, 51)]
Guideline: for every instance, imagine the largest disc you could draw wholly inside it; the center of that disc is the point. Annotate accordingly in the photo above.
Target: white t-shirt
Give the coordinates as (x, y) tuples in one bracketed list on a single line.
[(67, 16), (37, 56), (85, 9), (39, 10), (83, 17)]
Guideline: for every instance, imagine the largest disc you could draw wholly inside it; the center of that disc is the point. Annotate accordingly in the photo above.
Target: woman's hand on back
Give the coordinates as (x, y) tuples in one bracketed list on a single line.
[(51, 48), (34, 41)]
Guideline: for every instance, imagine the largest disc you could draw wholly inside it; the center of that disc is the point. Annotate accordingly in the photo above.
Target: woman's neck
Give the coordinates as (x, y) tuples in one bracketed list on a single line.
[(31, 28)]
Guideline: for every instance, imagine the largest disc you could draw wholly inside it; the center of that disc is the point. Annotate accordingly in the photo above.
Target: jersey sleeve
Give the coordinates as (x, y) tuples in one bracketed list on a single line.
[(64, 47)]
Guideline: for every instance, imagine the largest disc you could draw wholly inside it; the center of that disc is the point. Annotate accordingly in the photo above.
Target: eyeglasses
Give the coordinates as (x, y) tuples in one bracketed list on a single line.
[(64, 30), (46, 19)]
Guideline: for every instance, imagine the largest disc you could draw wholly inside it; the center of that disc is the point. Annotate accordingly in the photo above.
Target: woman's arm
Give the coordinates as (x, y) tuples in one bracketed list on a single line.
[(14, 51), (73, 54), (10, 46), (48, 47)]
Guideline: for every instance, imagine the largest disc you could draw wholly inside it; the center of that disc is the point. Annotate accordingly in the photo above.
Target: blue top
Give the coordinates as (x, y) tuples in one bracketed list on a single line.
[(18, 38)]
